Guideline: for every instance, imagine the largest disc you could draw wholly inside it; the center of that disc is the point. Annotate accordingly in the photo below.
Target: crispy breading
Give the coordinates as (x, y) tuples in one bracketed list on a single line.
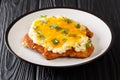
[(27, 41)]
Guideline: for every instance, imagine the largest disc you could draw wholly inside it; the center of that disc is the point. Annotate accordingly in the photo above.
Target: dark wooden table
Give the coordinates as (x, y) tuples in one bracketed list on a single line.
[(107, 67)]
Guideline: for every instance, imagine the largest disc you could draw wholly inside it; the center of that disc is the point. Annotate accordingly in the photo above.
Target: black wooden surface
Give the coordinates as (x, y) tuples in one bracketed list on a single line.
[(106, 67)]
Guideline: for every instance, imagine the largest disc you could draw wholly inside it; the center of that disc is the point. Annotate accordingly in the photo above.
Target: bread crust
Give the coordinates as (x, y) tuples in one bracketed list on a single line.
[(27, 41)]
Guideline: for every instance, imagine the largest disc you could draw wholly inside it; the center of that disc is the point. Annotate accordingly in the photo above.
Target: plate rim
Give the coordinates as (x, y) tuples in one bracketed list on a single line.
[(17, 19)]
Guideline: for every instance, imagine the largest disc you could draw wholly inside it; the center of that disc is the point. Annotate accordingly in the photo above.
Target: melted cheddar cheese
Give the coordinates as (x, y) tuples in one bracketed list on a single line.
[(58, 34)]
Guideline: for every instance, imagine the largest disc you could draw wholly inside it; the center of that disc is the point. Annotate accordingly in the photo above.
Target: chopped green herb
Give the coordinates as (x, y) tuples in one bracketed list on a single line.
[(68, 35), (43, 16), (74, 35), (64, 31), (55, 26), (79, 44), (44, 21), (42, 37), (55, 41), (77, 25), (58, 28), (64, 39), (52, 26), (35, 27), (68, 20), (88, 45), (38, 32)]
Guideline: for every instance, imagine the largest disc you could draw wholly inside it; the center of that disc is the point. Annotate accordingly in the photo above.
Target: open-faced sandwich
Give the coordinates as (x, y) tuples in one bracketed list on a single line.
[(55, 37)]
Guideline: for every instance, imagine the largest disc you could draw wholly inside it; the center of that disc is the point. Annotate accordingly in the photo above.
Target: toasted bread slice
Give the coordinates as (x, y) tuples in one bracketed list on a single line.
[(27, 41)]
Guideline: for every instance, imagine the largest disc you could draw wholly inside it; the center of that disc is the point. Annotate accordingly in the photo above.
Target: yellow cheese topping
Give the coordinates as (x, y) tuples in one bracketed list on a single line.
[(58, 34)]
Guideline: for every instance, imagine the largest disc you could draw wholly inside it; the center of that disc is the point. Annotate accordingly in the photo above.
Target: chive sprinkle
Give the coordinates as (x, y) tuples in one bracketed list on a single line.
[(64, 31), (42, 37), (55, 26), (68, 20), (35, 27), (44, 21), (88, 45), (55, 41), (38, 32), (52, 26), (77, 25), (64, 39), (58, 28), (43, 16), (74, 35)]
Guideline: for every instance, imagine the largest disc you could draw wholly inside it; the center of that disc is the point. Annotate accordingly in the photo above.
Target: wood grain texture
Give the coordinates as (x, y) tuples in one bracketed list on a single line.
[(106, 67)]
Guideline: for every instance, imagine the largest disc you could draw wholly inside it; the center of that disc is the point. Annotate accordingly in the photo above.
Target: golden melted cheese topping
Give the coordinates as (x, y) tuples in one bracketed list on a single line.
[(58, 34)]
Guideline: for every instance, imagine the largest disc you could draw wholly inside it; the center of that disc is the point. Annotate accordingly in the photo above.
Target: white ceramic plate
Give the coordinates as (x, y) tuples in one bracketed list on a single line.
[(102, 36)]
